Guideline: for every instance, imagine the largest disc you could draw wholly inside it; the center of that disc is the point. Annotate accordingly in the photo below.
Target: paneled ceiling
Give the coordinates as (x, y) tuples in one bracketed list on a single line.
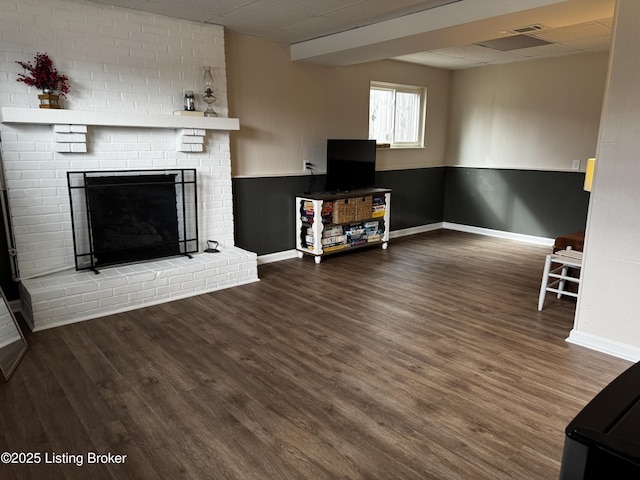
[(451, 34)]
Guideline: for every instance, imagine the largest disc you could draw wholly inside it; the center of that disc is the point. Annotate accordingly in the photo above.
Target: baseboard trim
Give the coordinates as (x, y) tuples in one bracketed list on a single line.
[(604, 345), (415, 230), (500, 234), (278, 256), (289, 254)]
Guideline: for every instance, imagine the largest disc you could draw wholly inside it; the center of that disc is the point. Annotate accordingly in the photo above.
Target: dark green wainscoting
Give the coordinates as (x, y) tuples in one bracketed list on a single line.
[(264, 207), (529, 202)]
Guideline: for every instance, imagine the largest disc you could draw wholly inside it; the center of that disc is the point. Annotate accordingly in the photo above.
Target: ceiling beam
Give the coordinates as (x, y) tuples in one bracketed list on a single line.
[(410, 33)]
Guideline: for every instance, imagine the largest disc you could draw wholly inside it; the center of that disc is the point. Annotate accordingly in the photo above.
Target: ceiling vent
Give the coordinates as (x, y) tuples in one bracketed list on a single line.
[(536, 27), (515, 42)]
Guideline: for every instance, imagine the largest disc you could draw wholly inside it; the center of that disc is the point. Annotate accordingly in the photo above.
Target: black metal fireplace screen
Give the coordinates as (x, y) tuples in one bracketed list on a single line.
[(128, 216)]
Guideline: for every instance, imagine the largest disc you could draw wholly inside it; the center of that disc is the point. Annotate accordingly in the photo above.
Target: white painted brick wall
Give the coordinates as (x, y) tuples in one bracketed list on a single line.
[(117, 60), (68, 297)]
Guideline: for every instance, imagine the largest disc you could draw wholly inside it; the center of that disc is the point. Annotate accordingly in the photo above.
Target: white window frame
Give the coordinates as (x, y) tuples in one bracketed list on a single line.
[(397, 88)]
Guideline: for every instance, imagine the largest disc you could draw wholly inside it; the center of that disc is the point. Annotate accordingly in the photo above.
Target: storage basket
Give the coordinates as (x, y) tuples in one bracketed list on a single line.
[(344, 210), (364, 206)]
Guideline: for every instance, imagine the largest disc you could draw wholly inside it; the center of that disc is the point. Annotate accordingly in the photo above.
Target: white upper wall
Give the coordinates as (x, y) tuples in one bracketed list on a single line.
[(289, 109), (608, 313), (538, 115), (535, 115)]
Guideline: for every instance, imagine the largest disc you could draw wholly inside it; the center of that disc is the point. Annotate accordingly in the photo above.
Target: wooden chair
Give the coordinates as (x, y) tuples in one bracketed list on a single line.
[(554, 279)]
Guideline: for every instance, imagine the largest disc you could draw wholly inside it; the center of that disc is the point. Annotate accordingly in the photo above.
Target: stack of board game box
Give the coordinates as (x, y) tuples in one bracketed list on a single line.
[(333, 238), (327, 212), (379, 207), (355, 234), (373, 231), (307, 210)]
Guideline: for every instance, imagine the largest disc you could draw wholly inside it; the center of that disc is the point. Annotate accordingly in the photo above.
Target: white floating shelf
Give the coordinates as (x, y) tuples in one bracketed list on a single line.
[(44, 116)]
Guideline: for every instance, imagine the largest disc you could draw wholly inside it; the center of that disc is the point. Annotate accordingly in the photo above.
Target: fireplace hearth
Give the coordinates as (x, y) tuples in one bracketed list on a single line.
[(53, 242), (131, 216)]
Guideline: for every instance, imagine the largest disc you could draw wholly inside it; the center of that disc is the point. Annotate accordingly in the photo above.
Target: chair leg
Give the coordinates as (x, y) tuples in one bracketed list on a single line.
[(545, 280), (564, 272)]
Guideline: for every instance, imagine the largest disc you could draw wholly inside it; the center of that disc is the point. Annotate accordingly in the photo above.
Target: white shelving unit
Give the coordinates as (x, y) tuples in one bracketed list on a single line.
[(328, 223)]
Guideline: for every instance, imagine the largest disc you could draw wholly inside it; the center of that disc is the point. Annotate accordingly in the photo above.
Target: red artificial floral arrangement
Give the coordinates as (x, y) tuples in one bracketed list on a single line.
[(44, 76)]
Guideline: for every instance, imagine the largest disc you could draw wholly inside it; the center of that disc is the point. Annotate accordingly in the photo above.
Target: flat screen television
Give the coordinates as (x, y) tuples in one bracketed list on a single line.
[(351, 164)]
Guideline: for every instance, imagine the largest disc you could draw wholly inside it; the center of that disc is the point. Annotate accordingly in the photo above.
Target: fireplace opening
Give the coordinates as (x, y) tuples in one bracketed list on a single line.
[(131, 216)]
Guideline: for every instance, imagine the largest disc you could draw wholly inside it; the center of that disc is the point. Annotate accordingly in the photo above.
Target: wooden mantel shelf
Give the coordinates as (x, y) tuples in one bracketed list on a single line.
[(116, 119)]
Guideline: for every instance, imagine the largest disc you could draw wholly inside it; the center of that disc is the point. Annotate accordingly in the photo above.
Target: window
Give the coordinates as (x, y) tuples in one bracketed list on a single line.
[(396, 114)]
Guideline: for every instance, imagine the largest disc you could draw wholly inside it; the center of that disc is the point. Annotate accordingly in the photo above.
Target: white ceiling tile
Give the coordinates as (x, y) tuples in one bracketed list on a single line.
[(272, 14), (574, 32), (368, 12), (292, 21), (594, 44), (437, 61), (196, 9), (476, 55), (552, 50), (122, 3), (310, 28)]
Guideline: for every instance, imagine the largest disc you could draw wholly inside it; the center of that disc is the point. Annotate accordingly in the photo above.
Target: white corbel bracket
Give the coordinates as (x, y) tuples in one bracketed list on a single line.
[(70, 138), (190, 139)]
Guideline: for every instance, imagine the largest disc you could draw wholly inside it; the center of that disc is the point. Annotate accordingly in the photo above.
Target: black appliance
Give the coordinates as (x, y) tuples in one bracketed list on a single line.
[(603, 440)]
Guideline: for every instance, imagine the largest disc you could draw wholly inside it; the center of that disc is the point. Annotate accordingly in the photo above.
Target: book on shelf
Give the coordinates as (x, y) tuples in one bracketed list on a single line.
[(188, 113)]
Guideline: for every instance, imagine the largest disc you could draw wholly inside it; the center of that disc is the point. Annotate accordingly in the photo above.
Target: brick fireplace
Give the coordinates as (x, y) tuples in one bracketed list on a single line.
[(128, 71), (53, 292)]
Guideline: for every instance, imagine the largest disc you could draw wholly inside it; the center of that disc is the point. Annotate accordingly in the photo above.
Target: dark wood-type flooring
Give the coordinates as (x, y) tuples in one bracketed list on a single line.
[(425, 361)]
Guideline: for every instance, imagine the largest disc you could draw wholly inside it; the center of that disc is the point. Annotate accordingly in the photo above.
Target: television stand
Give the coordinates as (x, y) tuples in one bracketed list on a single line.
[(328, 223)]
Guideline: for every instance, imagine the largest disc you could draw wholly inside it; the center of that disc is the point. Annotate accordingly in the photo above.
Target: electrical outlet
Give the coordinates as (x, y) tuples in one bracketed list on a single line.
[(576, 165), (304, 165)]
